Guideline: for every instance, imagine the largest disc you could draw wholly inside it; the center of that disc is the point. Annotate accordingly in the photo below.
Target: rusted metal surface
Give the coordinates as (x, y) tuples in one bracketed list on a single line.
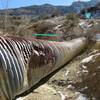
[(24, 62)]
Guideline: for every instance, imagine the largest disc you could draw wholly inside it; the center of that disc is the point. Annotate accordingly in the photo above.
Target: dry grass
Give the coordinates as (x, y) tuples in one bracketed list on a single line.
[(15, 25)]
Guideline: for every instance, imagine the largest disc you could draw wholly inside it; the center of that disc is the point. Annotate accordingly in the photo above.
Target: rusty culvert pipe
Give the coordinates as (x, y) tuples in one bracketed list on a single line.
[(24, 62)]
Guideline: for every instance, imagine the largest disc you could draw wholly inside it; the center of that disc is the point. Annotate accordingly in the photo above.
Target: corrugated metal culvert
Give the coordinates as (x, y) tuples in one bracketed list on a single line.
[(24, 62)]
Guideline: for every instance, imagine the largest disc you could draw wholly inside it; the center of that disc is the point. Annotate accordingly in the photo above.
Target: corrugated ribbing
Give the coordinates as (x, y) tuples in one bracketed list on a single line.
[(24, 62)]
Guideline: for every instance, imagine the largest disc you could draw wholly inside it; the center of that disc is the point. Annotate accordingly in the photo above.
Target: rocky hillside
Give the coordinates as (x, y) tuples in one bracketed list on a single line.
[(36, 10)]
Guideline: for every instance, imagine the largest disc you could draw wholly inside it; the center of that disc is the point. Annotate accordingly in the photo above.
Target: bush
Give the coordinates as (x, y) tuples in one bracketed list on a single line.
[(71, 21), (42, 27), (16, 25), (44, 16)]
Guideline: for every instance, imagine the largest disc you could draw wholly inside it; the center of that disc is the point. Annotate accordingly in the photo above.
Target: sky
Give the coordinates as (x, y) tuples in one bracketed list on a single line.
[(22, 3)]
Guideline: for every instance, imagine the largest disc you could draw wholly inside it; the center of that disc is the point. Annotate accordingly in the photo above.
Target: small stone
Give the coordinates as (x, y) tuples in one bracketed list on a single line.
[(70, 87)]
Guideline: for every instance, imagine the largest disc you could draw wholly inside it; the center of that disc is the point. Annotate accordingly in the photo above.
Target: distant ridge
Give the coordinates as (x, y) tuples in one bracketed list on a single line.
[(37, 10)]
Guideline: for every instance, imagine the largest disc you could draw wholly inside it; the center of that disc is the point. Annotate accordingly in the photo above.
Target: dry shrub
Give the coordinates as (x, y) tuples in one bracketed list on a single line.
[(42, 27), (71, 21), (17, 26), (71, 26), (22, 29)]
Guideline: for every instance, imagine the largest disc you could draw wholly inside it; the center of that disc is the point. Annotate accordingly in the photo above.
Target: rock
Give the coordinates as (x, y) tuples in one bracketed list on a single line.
[(81, 97), (62, 96), (70, 87)]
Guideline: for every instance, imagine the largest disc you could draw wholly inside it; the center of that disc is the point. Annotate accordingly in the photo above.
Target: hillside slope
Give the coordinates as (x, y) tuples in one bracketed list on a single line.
[(35, 10)]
